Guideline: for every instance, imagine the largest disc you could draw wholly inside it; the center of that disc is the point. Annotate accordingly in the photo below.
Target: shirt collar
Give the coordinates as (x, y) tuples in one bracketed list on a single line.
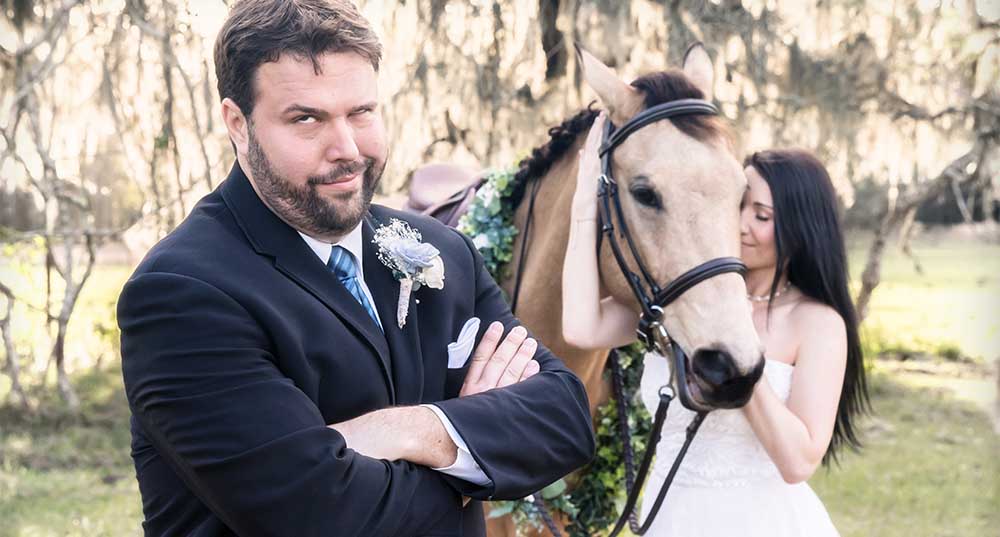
[(351, 242)]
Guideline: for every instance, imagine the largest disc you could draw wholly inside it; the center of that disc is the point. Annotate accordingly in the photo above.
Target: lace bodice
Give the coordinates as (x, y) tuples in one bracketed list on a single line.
[(725, 452)]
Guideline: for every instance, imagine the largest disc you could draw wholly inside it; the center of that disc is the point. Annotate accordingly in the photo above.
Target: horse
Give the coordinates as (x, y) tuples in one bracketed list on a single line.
[(688, 166)]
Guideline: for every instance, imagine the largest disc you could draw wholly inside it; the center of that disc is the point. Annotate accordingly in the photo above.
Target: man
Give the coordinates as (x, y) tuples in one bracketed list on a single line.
[(278, 373)]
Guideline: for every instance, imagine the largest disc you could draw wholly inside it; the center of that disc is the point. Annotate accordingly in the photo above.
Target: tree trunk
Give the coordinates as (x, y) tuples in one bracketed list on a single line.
[(906, 238), (62, 379), (12, 367), (896, 215), (70, 297), (963, 207)]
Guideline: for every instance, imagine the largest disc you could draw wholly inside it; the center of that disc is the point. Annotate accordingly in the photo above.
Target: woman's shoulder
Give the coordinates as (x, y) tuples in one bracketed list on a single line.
[(813, 318)]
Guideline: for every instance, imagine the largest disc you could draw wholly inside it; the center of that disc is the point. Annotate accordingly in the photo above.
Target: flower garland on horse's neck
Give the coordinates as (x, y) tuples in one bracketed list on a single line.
[(592, 506)]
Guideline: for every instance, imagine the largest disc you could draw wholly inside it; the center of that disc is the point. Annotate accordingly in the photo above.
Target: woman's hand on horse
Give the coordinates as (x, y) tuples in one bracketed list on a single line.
[(585, 198)]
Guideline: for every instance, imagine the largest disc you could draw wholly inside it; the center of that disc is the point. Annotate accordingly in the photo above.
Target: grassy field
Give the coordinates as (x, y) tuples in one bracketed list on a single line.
[(952, 309), (930, 466), (66, 476)]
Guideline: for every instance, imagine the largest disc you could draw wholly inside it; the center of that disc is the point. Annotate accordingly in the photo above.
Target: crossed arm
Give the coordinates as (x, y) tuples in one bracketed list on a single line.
[(257, 452), (495, 411), (415, 433)]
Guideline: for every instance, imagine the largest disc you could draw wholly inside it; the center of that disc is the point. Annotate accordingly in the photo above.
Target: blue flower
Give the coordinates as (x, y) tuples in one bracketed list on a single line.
[(414, 256)]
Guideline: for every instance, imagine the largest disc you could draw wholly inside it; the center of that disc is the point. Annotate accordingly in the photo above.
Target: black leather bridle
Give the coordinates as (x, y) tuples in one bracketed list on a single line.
[(652, 298)]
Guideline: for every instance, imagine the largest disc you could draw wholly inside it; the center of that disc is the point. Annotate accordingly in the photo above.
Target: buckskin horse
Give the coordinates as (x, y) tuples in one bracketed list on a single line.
[(678, 187)]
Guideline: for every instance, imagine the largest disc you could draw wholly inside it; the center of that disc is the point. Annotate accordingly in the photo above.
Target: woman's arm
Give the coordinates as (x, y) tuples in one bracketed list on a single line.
[(588, 321), (796, 435)]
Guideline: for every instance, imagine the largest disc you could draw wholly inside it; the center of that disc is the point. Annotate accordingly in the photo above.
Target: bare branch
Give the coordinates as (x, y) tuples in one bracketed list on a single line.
[(956, 191), (200, 134), (12, 367), (139, 20), (58, 19), (907, 202), (906, 237), (67, 234)]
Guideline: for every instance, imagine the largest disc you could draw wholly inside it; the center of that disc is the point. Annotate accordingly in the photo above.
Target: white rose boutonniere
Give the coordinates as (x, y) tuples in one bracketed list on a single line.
[(412, 262)]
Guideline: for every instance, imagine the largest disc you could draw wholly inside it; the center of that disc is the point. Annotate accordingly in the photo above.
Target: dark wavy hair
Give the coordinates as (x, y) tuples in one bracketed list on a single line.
[(809, 241), (261, 31)]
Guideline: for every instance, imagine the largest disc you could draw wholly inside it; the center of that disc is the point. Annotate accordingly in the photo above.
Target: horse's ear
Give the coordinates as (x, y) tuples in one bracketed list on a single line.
[(621, 100), (698, 68)]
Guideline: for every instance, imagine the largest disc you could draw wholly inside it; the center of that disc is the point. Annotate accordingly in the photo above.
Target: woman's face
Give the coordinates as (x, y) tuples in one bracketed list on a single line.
[(757, 248)]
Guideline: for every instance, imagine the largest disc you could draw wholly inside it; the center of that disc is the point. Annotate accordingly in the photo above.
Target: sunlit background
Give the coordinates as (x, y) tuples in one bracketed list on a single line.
[(111, 132)]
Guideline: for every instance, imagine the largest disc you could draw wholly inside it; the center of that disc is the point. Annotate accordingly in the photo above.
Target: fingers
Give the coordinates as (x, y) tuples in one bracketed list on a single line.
[(484, 351), (515, 369), (593, 143), (531, 369), (497, 364), (502, 357), (590, 161)]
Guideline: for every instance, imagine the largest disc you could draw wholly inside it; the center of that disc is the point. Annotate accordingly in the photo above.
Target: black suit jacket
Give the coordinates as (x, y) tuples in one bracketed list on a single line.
[(239, 347)]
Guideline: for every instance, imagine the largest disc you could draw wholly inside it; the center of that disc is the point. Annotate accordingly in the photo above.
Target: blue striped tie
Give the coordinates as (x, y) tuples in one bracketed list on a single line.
[(343, 267)]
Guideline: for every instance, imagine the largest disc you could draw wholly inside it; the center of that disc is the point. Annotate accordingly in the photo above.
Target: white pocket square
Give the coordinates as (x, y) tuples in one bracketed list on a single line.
[(460, 351)]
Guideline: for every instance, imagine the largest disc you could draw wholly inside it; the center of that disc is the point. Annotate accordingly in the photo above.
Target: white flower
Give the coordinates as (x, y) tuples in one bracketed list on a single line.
[(412, 262), (481, 241), (486, 193), (433, 275)]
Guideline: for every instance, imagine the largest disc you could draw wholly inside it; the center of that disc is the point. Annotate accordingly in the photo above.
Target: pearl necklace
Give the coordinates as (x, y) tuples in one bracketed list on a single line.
[(765, 298)]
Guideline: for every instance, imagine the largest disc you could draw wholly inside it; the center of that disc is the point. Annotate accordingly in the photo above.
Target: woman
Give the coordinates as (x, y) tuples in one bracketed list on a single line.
[(745, 473)]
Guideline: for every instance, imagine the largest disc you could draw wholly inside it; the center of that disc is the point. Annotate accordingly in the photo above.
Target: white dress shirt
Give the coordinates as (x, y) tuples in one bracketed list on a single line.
[(465, 466)]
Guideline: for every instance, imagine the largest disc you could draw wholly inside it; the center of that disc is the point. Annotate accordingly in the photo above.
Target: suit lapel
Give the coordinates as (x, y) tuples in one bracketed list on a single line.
[(272, 237), (404, 344)]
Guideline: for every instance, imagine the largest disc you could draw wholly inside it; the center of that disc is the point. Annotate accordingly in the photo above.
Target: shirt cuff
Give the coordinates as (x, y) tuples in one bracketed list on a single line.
[(465, 466)]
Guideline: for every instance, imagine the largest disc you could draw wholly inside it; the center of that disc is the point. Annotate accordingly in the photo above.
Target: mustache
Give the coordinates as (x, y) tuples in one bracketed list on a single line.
[(342, 169)]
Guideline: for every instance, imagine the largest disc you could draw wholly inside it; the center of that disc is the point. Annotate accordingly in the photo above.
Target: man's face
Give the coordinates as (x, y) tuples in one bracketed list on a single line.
[(316, 144)]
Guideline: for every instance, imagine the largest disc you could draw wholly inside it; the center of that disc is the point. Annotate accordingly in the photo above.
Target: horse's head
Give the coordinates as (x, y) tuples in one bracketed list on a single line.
[(680, 187)]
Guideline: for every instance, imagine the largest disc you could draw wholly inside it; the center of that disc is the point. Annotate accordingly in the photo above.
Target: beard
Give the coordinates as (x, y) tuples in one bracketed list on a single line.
[(302, 207)]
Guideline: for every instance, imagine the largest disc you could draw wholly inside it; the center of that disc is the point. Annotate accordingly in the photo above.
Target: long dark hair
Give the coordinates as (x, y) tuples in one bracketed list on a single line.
[(809, 241)]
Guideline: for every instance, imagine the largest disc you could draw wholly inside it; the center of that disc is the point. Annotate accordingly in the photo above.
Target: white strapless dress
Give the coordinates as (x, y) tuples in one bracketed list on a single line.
[(727, 484)]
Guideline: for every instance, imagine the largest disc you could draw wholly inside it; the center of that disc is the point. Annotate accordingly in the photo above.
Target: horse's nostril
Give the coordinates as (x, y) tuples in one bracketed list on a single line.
[(715, 367)]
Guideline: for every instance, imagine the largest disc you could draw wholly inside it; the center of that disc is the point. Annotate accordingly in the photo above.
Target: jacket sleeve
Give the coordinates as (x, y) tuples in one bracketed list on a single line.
[(243, 438), (529, 434)]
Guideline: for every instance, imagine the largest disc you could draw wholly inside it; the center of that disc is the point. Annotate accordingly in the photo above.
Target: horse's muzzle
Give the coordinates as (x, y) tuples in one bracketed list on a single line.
[(719, 381)]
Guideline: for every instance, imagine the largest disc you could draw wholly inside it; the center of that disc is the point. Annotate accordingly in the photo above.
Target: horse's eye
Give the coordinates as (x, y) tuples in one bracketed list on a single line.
[(646, 195)]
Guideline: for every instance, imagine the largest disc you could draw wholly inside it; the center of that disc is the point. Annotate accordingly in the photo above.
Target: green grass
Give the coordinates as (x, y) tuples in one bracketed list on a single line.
[(66, 475), (952, 308), (929, 468)]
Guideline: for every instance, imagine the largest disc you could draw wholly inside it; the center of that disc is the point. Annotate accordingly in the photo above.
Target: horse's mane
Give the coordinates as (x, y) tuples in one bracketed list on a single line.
[(657, 88)]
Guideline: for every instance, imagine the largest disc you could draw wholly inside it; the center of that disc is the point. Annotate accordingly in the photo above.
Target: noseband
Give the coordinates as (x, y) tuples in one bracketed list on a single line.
[(653, 299), (651, 296)]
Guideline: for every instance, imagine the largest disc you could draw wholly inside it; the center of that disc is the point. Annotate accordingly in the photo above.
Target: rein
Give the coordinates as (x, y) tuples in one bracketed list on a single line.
[(652, 298)]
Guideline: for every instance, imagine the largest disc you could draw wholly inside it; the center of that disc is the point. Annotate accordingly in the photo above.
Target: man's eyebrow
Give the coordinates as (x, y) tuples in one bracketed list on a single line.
[(302, 109), (367, 106)]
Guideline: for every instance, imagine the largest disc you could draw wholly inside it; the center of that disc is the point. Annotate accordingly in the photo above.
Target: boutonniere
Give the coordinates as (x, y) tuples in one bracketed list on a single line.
[(412, 262)]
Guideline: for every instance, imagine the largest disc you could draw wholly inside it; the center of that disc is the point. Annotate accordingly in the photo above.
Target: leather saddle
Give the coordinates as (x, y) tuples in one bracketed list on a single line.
[(443, 191)]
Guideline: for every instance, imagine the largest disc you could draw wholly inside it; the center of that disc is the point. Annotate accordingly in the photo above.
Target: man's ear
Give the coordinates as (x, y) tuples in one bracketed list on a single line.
[(236, 124)]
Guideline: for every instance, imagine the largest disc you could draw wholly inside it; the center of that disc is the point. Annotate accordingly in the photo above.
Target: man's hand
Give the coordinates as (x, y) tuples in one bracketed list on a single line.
[(497, 367), (415, 433), (410, 433)]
